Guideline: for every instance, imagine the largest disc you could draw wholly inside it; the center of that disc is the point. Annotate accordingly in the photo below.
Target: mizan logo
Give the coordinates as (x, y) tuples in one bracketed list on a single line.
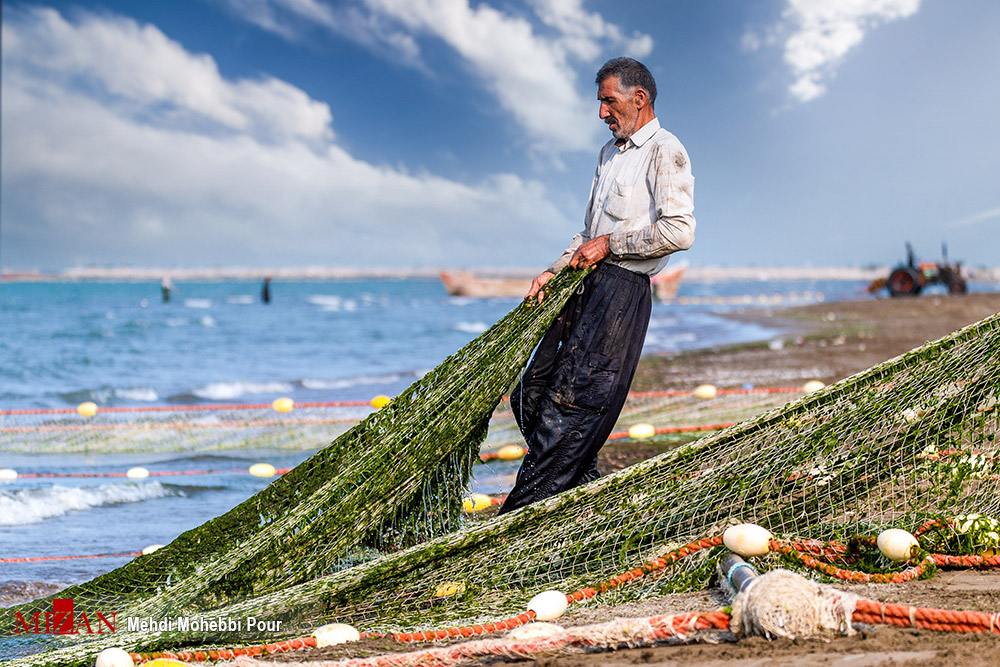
[(63, 621)]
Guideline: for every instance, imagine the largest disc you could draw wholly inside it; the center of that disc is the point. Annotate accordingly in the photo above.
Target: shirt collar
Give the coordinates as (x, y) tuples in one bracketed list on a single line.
[(643, 134)]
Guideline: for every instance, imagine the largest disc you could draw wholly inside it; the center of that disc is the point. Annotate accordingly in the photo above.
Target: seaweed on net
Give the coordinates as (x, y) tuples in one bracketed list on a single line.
[(910, 439), (393, 480)]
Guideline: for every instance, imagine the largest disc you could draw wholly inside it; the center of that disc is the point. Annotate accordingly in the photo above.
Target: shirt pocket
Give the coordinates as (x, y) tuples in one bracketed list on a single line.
[(618, 201)]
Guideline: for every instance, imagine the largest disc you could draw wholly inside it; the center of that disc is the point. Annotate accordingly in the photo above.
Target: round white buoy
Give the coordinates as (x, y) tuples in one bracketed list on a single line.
[(87, 409), (641, 431), (7, 474), (283, 405), (380, 402), (548, 605), (812, 385), (511, 452), (747, 539), (896, 544), (138, 472), (335, 633), (261, 470), (113, 657), (705, 391), (534, 632), (151, 548), (476, 502)]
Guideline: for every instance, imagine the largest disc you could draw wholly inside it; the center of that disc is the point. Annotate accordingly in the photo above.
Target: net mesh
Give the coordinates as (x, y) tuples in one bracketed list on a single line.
[(345, 539)]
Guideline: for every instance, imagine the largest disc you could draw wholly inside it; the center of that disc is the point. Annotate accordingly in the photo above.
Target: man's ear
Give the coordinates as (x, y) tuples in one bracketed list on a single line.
[(639, 98)]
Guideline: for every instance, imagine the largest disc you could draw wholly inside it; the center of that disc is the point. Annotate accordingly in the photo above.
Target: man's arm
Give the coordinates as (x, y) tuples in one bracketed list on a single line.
[(670, 180)]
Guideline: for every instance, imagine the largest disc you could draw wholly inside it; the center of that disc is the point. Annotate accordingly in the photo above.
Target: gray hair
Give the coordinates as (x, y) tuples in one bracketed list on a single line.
[(631, 74)]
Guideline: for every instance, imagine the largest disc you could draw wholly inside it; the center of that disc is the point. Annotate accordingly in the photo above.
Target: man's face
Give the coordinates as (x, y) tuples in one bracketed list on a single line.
[(617, 108)]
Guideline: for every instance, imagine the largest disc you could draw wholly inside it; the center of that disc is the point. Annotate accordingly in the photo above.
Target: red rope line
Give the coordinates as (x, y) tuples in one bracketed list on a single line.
[(852, 575), (709, 620), (152, 473), (36, 559), (343, 404)]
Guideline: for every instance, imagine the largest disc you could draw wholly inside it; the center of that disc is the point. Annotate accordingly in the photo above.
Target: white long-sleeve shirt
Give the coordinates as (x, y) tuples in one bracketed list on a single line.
[(643, 197)]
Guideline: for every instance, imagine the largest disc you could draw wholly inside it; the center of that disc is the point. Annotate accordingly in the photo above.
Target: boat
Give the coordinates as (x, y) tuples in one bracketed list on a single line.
[(498, 285), (484, 286)]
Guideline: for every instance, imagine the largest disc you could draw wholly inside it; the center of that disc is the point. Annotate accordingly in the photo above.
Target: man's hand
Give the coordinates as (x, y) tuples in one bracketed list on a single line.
[(591, 252), (537, 284)]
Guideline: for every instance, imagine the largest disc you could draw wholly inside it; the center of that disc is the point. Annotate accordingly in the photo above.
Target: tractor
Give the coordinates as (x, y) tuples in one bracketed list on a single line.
[(910, 278)]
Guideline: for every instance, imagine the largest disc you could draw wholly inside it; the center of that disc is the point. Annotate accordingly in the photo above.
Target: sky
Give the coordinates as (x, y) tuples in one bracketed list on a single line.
[(464, 134)]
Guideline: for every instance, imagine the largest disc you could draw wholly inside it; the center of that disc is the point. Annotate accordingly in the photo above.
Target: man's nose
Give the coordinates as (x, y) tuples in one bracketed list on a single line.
[(604, 112)]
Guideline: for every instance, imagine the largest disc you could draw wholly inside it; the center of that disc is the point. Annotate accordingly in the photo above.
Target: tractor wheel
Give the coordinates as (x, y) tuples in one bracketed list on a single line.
[(956, 283), (904, 281)]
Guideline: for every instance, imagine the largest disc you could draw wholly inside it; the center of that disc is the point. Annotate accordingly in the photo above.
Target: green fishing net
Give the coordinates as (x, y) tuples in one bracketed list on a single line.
[(368, 530)]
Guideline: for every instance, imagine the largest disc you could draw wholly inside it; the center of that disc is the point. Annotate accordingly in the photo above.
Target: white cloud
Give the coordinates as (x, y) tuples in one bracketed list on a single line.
[(97, 167), (138, 67), (820, 33), (531, 75), (976, 218)]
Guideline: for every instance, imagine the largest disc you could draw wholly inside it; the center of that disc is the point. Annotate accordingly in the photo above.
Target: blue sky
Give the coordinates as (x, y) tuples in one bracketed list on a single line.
[(424, 133)]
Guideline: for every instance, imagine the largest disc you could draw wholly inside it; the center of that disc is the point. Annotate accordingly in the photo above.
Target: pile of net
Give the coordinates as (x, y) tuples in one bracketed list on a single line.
[(368, 530)]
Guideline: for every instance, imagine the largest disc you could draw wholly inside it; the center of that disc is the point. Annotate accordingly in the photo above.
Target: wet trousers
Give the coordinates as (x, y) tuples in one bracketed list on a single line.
[(572, 392)]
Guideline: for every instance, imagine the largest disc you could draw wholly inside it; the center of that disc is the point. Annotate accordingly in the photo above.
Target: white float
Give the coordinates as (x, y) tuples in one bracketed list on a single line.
[(896, 544), (7, 474), (262, 470), (138, 472), (548, 605), (113, 657), (335, 633), (812, 385), (705, 391), (151, 548), (747, 539)]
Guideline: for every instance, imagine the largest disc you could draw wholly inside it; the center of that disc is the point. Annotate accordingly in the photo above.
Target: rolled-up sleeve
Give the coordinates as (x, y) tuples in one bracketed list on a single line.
[(672, 185)]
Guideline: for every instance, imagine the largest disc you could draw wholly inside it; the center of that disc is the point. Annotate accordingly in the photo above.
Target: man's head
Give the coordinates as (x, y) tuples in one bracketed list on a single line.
[(626, 91)]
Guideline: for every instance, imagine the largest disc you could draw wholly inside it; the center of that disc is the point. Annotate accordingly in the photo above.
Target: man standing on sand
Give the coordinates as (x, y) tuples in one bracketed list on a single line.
[(640, 211)]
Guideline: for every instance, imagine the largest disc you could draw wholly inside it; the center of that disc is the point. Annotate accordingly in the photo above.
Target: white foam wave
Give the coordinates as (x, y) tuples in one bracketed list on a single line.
[(225, 391), (471, 327), (207, 321), (349, 382), (242, 299), (198, 303), (138, 394), (332, 302), (25, 506)]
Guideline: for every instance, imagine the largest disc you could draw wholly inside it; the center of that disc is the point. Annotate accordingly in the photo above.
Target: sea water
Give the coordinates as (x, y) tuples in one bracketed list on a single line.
[(120, 344)]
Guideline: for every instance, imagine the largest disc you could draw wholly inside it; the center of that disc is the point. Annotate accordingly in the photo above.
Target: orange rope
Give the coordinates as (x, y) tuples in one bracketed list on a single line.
[(36, 559), (852, 575)]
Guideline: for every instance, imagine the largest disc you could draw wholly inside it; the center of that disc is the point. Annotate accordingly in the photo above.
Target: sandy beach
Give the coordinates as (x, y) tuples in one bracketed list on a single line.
[(827, 341)]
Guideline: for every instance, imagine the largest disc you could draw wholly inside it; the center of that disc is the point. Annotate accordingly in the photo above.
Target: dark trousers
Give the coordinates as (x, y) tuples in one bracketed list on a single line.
[(569, 398)]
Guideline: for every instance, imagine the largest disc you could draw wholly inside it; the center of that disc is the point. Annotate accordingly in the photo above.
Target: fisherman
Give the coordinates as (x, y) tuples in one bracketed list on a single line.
[(640, 211)]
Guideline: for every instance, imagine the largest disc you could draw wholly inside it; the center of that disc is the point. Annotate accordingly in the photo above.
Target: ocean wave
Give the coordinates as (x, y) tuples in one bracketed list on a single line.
[(198, 303), (471, 327), (15, 592), (24, 506), (207, 321), (226, 391), (143, 394), (347, 383), (332, 302), (241, 299)]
